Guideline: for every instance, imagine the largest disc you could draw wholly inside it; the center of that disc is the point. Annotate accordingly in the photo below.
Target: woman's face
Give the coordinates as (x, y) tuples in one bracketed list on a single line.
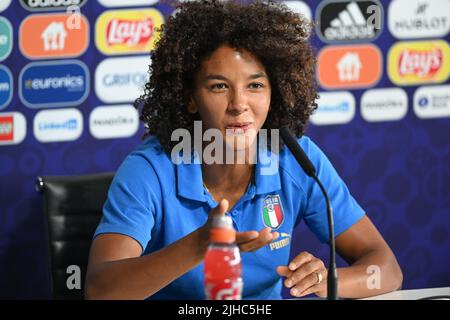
[(232, 94)]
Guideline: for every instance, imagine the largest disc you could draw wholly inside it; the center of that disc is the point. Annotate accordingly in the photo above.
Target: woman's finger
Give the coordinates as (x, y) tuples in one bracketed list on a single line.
[(302, 272)]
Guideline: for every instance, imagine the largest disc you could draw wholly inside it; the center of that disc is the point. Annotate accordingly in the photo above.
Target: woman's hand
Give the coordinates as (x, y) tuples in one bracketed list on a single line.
[(305, 274), (248, 241)]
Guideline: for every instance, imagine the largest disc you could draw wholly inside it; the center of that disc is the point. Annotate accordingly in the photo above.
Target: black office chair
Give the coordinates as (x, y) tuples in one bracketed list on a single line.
[(73, 208)]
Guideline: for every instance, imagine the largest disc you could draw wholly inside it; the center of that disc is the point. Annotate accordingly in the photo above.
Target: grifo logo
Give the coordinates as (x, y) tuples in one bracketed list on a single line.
[(45, 5), (419, 18), (58, 125), (348, 21), (114, 122), (54, 84), (121, 79)]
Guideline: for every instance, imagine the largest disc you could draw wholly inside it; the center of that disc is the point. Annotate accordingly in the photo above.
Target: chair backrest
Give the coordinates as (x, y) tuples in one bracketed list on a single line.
[(73, 208)]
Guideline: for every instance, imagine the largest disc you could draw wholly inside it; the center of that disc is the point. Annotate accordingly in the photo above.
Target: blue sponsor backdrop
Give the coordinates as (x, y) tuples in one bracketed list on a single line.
[(399, 171)]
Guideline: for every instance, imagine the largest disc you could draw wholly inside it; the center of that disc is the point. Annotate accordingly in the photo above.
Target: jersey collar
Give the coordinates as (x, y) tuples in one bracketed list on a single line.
[(267, 177)]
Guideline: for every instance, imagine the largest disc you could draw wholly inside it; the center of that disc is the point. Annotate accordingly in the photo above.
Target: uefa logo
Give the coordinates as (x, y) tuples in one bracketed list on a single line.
[(54, 84)]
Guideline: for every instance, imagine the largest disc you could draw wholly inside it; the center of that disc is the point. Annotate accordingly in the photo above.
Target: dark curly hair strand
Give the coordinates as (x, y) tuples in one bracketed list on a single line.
[(269, 30)]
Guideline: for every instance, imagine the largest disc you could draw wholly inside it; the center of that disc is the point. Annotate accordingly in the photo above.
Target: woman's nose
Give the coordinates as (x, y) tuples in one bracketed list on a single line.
[(238, 102)]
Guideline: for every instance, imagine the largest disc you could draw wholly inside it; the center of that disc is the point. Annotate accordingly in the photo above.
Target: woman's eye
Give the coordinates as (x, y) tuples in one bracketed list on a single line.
[(256, 85), (219, 86)]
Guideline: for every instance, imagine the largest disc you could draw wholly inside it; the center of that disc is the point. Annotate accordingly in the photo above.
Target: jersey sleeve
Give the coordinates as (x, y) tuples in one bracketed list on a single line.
[(346, 211), (132, 202)]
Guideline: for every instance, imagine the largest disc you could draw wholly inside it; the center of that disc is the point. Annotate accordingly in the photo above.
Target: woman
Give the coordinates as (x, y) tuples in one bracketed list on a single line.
[(237, 69)]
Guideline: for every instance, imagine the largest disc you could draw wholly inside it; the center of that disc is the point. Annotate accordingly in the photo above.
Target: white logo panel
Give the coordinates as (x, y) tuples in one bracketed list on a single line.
[(4, 4), (299, 7), (432, 102), (334, 108), (108, 122), (388, 104), (126, 3), (419, 18), (58, 125), (121, 79)]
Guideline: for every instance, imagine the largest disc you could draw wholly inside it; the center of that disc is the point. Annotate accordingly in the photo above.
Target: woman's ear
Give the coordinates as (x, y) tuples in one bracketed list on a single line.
[(192, 107)]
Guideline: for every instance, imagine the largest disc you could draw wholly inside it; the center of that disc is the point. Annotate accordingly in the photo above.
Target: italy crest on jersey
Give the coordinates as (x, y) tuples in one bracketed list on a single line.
[(273, 215)]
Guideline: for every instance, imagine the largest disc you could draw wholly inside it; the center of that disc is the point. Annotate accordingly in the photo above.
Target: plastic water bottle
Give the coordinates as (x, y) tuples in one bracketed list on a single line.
[(222, 263)]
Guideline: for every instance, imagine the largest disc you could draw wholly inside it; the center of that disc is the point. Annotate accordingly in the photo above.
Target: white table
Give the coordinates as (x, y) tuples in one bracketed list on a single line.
[(412, 294)]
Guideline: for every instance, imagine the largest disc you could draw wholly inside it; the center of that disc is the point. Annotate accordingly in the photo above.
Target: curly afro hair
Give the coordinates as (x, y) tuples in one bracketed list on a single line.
[(273, 33)]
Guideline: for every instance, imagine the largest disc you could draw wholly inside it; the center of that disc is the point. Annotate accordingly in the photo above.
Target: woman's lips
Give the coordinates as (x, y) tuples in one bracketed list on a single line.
[(241, 127)]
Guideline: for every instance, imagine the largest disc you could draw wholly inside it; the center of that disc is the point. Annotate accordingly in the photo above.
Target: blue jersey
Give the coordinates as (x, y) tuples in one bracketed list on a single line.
[(157, 202)]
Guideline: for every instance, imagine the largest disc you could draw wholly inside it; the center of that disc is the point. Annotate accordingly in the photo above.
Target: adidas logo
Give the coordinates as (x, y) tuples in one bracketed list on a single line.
[(342, 22)]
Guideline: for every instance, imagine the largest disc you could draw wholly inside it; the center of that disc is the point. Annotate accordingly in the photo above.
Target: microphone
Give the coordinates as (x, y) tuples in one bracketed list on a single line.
[(291, 142)]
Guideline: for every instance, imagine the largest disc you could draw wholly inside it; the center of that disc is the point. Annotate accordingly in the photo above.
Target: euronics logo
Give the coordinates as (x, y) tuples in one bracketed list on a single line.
[(54, 84)]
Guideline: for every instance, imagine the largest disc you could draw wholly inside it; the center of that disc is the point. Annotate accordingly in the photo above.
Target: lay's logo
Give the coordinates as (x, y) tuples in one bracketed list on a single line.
[(127, 31), (419, 62)]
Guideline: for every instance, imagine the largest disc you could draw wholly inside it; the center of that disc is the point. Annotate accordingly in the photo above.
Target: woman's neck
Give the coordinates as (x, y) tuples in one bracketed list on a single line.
[(227, 179)]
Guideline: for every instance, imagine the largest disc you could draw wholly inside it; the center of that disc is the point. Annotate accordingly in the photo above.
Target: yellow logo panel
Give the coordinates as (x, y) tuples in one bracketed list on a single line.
[(127, 31), (418, 62)]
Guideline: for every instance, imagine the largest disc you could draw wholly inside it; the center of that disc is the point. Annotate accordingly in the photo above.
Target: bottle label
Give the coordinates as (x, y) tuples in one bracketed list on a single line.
[(225, 290)]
